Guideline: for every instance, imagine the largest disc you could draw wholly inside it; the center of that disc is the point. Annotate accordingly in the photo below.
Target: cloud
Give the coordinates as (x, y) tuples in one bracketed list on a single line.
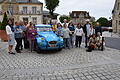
[(97, 8)]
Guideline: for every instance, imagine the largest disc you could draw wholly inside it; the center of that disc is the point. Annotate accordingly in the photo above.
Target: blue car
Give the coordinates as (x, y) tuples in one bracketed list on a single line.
[(46, 39)]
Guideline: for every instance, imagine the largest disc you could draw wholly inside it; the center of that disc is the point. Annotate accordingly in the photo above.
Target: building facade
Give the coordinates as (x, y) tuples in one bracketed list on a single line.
[(22, 10), (116, 17), (79, 16), (47, 18)]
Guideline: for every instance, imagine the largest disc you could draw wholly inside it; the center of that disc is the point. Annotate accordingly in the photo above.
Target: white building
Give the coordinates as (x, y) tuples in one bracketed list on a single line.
[(24, 10), (116, 17)]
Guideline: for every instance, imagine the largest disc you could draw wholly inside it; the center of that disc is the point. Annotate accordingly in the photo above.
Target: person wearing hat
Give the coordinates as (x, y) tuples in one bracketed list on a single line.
[(86, 30)]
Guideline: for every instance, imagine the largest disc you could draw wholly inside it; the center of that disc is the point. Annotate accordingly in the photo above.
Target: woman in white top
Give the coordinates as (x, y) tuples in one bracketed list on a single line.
[(79, 33), (10, 34), (66, 36), (91, 31)]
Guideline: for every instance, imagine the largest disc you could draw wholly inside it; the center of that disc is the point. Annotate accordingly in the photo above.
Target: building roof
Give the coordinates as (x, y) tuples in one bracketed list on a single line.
[(76, 14), (23, 1), (28, 1), (79, 12)]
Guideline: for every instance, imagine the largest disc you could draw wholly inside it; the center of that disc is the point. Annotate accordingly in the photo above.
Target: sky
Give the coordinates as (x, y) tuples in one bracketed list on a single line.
[(96, 8)]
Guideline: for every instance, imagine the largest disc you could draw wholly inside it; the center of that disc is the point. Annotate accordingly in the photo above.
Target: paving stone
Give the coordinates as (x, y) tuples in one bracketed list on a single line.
[(97, 79), (75, 76), (89, 77), (94, 76), (83, 78), (74, 64), (108, 76), (69, 76), (103, 78), (59, 78), (78, 78)]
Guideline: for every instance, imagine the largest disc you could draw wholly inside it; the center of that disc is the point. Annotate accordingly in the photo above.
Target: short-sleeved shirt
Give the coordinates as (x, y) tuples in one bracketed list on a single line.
[(11, 40), (66, 33), (8, 30), (79, 32)]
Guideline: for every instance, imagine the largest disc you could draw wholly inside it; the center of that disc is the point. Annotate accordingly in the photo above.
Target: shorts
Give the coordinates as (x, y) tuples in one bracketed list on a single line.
[(11, 41)]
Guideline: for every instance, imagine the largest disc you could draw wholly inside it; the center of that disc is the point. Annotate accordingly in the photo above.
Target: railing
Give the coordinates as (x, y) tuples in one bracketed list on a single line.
[(23, 13), (29, 13)]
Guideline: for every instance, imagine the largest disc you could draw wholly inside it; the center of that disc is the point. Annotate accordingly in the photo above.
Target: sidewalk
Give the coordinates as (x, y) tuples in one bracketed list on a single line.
[(108, 34)]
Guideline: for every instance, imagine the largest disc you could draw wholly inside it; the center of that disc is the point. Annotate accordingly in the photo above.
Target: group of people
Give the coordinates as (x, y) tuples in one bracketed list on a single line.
[(73, 34), (20, 32), (25, 33)]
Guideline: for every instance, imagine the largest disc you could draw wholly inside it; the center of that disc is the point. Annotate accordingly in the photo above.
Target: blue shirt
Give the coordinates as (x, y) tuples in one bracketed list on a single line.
[(18, 32), (59, 31)]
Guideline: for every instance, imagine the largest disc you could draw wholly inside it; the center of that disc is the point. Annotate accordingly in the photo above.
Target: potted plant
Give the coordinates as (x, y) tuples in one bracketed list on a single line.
[(3, 34)]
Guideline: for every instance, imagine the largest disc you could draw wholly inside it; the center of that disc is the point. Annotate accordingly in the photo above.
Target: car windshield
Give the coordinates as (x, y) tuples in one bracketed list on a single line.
[(44, 29)]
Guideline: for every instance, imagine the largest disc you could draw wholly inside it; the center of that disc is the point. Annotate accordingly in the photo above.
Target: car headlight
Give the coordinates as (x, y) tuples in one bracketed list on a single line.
[(42, 38), (61, 37)]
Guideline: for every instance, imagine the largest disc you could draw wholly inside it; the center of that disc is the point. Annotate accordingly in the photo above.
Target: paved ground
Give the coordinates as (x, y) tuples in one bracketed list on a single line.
[(113, 42), (74, 64), (113, 35)]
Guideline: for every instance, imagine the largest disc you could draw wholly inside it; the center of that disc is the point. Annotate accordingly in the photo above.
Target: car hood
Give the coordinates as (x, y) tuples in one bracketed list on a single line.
[(49, 36)]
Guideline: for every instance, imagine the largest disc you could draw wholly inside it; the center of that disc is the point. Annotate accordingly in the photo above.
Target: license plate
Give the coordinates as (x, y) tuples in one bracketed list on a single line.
[(52, 46)]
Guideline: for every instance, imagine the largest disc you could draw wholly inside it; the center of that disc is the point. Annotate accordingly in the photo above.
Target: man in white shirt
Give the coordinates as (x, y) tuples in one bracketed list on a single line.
[(86, 30)]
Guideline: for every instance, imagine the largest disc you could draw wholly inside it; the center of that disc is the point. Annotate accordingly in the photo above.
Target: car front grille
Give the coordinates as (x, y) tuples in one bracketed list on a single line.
[(52, 42)]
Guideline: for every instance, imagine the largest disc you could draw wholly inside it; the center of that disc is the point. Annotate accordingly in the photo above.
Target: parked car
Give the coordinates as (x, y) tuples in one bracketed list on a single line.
[(110, 29), (46, 39), (105, 28)]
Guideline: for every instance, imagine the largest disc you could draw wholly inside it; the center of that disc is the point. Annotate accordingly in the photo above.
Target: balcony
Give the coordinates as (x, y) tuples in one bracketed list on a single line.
[(23, 13), (29, 13)]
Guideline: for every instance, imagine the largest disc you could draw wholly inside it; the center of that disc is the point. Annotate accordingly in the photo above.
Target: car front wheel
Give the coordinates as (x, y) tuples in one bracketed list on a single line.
[(60, 49)]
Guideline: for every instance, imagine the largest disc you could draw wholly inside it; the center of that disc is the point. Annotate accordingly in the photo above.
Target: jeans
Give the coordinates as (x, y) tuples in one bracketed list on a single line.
[(66, 42), (86, 41), (78, 41), (72, 40), (19, 42), (32, 45)]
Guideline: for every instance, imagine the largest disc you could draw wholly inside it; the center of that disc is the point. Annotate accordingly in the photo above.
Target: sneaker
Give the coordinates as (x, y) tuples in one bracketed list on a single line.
[(11, 53), (18, 51)]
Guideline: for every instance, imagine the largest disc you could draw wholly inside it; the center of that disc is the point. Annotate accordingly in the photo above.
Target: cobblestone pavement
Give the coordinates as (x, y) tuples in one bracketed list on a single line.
[(74, 64)]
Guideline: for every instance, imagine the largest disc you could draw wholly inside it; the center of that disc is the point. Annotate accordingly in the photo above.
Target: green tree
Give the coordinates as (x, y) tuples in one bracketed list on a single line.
[(64, 17), (51, 6), (4, 22), (94, 23), (103, 21)]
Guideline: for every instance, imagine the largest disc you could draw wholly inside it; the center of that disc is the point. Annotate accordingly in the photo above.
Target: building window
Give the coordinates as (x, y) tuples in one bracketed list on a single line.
[(75, 15), (25, 10), (10, 10), (34, 10), (25, 19), (34, 20)]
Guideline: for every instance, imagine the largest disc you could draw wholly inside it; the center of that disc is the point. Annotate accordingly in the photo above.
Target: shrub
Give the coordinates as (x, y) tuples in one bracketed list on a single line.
[(4, 22)]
